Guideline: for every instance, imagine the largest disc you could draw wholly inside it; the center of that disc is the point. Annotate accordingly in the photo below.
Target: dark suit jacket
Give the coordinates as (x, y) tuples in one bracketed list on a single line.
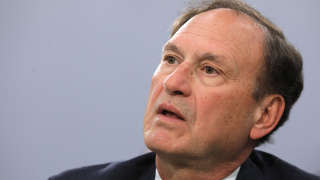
[(259, 166)]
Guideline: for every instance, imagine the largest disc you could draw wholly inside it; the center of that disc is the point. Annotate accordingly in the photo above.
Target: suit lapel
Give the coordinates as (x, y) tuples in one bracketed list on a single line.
[(149, 173), (250, 170)]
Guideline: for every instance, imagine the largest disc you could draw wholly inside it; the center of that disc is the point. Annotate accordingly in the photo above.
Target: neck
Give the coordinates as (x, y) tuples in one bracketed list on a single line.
[(201, 169)]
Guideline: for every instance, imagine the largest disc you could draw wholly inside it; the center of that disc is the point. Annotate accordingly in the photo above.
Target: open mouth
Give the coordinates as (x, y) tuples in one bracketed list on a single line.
[(170, 112)]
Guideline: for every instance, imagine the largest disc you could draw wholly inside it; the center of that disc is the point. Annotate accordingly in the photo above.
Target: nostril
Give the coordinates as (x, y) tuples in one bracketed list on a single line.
[(177, 92)]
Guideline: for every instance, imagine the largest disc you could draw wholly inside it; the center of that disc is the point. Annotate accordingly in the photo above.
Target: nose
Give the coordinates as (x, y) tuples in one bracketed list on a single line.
[(178, 82)]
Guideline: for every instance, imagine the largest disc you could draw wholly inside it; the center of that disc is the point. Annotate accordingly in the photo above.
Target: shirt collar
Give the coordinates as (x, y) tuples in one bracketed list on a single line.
[(232, 176)]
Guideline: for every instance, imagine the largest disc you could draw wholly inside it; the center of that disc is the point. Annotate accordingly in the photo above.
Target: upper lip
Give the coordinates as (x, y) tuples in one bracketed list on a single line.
[(170, 108)]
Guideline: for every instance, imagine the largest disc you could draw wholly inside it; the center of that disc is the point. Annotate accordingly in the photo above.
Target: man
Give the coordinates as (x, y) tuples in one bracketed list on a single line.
[(226, 81)]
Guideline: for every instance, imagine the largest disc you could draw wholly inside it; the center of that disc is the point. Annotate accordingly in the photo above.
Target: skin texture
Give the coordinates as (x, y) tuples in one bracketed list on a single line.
[(207, 75)]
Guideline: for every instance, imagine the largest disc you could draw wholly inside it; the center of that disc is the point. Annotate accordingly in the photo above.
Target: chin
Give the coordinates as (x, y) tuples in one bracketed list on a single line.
[(158, 143), (154, 142), (164, 148)]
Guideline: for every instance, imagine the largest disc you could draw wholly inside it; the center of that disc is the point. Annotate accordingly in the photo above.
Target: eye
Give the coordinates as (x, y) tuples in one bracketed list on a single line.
[(170, 60), (209, 69)]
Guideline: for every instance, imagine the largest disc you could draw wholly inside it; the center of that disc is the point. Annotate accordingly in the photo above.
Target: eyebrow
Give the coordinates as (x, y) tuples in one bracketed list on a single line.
[(206, 56), (214, 58), (230, 66), (174, 48)]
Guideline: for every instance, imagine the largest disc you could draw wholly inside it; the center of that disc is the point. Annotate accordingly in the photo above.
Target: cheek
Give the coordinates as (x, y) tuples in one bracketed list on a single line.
[(222, 110), (155, 90), (211, 112), (221, 121)]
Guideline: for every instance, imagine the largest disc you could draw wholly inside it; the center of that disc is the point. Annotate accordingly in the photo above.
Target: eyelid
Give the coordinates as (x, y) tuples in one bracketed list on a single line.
[(166, 55), (214, 66)]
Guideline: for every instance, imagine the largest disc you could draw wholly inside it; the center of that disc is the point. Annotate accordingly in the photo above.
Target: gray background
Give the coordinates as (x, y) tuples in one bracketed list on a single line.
[(75, 76)]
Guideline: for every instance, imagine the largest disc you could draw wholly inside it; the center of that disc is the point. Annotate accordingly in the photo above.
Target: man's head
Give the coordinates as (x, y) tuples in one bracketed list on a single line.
[(208, 94), (282, 70)]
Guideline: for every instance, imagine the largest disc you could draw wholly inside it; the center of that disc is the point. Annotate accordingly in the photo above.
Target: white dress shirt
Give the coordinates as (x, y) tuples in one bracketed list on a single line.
[(232, 176)]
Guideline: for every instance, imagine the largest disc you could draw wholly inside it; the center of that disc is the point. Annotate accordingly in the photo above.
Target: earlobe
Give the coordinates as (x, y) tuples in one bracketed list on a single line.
[(270, 111)]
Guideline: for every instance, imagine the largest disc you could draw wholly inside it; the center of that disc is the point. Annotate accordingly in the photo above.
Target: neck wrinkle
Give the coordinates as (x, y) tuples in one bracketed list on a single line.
[(170, 170)]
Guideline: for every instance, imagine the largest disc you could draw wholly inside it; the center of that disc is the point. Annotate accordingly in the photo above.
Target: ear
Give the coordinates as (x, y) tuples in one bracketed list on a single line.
[(268, 115)]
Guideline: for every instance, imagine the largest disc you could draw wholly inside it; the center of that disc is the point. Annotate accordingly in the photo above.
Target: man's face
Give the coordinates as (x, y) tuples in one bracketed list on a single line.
[(200, 100)]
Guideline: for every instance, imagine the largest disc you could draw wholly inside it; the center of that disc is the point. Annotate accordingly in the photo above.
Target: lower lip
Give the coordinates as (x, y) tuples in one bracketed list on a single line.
[(169, 119)]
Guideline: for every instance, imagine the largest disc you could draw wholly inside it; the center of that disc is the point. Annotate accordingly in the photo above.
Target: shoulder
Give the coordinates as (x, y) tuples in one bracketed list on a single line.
[(272, 167), (137, 167)]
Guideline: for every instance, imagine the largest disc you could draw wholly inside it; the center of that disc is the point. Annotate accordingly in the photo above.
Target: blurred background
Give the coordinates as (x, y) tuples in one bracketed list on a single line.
[(75, 76)]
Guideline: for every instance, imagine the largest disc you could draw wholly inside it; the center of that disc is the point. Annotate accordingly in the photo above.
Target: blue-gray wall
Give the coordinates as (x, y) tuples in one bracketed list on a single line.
[(75, 74)]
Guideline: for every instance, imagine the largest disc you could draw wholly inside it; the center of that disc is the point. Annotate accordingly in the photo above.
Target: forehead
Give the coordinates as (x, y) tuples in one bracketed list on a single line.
[(224, 32), (224, 23)]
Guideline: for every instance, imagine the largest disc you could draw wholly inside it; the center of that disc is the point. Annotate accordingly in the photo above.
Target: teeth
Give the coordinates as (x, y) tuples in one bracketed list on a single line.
[(165, 112), (170, 114)]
